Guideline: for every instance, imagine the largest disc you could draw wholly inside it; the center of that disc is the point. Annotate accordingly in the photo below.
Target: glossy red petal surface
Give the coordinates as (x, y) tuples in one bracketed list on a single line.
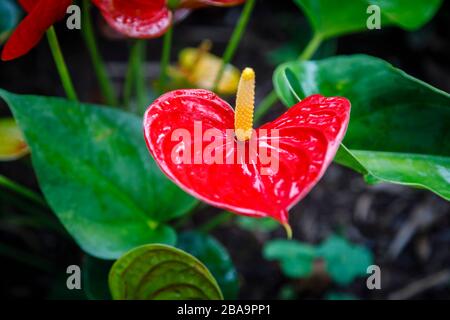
[(308, 137), (204, 3), (30, 31), (136, 18)]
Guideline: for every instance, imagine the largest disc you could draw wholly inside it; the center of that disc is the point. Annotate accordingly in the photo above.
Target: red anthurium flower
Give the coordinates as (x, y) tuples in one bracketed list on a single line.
[(42, 14), (136, 18), (198, 141), (147, 19), (202, 3)]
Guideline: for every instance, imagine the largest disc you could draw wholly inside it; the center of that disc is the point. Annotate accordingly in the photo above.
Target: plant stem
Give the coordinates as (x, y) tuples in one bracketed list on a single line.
[(272, 97), (235, 40), (27, 193), (135, 77), (61, 64), (141, 88), (129, 78), (311, 47), (106, 86), (265, 105), (165, 58), (222, 217)]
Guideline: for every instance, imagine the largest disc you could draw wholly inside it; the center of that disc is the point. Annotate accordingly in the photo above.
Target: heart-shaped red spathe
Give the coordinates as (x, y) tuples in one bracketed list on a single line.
[(144, 19), (303, 142), (136, 18)]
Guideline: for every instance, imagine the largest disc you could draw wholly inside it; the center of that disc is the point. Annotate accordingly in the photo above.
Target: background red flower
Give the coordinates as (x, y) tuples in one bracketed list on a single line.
[(42, 14)]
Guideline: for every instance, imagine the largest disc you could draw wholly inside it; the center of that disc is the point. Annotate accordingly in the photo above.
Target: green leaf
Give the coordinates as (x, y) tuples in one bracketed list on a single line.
[(331, 18), (9, 18), (343, 260), (257, 224), (97, 175), (95, 278), (161, 272), (216, 259), (295, 258), (407, 14), (398, 129)]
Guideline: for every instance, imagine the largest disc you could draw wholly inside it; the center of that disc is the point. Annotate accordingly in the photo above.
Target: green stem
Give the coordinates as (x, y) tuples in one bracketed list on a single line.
[(235, 40), (311, 47), (221, 218), (165, 58), (61, 64), (27, 193), (129, 78), (272, 97), (141, 88), (135, 77), (106, 86), (265, 105)]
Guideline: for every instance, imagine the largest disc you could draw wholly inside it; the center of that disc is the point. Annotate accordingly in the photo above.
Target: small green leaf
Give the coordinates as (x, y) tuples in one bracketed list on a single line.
[(95, 278), (295, 258), (97, 175), (343, 260), (216, 259), (161, 272), (9, 18), (257, 224), (331, 18), (398, 129)]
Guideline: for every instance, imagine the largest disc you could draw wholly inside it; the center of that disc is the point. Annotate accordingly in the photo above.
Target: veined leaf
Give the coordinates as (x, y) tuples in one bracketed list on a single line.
[(216, 259), (331, 18), (96, 174), (160, 272), (399, 125)]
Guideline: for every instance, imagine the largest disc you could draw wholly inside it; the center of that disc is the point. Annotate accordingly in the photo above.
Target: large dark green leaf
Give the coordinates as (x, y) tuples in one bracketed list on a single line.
[(399, 126), (97, 175), (331, 18), (410, 15), (215, 257), (160, 272), (9, 17)]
